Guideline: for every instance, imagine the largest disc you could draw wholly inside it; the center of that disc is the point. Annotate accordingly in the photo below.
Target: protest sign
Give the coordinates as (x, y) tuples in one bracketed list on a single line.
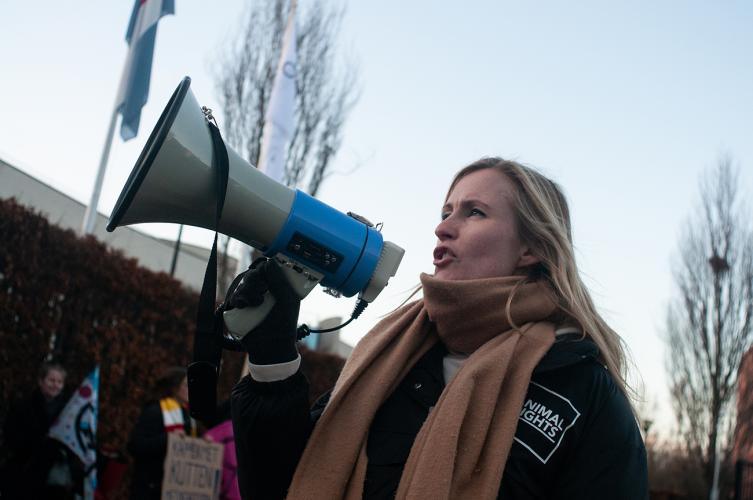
[(193, 469)]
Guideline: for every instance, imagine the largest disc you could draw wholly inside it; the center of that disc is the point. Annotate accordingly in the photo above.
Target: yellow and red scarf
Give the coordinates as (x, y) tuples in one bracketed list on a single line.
[(172, 416)]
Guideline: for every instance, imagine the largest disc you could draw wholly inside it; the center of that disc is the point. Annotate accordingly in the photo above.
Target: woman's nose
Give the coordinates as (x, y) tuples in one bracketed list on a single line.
[(445, 230)]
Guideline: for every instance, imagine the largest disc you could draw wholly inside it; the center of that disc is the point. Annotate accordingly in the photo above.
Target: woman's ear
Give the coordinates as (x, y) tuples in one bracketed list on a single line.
[(527, 259)]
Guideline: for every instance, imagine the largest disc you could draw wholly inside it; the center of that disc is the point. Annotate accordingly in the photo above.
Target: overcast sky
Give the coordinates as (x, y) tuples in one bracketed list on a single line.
[(624, 103)]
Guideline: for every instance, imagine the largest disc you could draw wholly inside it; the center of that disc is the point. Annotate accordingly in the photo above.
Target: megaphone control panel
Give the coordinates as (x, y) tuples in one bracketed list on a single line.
[(308, 250)]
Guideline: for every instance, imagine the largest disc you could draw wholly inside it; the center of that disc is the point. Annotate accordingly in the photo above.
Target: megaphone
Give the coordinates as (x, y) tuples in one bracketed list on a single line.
[(173, 181)]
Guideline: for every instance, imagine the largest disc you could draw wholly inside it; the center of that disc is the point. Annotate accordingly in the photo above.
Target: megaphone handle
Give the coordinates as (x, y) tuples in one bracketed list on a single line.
[(241, 321)]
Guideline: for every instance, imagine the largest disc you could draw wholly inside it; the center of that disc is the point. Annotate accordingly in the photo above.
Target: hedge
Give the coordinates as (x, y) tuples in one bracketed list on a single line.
[(84, 304)]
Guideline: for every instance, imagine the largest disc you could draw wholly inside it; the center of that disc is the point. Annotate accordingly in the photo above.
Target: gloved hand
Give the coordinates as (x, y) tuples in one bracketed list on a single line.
[(273, 340)]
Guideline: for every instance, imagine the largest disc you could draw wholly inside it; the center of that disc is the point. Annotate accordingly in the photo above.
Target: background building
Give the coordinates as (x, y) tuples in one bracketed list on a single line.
[(329, 342), (60, 209)]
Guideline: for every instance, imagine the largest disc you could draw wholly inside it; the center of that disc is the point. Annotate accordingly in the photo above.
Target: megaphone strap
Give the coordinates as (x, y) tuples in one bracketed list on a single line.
[(207, 348)]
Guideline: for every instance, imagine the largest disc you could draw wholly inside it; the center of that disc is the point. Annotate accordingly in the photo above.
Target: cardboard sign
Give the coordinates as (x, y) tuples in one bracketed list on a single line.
[(193, 469)]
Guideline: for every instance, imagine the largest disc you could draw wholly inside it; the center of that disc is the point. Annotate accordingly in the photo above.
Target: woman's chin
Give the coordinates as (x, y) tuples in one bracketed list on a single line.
[(444, 273)]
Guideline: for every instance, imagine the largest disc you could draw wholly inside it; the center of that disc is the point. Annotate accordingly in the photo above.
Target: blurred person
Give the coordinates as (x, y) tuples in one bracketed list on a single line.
[(164, 412), (502, 381), (39, 466), (222, 433)]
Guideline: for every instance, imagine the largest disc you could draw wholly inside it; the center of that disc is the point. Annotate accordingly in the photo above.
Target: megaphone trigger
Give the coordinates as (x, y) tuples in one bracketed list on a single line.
[(300, 278)]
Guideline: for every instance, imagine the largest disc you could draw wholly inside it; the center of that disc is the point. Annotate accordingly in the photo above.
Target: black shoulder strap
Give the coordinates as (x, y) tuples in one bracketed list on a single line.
[(207, 347)]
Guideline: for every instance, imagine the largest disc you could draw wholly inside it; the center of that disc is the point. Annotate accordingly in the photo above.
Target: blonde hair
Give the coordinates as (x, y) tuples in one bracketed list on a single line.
[(543, 224)]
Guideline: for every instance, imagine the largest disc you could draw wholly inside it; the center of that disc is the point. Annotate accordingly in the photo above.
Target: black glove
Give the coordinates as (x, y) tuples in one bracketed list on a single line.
[(273, 340)]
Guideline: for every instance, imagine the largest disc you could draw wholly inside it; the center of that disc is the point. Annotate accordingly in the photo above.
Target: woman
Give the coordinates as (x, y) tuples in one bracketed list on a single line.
[(501, 382), (165, 412), (33, 454)]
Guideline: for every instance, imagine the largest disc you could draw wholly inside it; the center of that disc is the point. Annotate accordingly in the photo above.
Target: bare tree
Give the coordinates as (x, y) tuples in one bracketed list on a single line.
[(326, 87), (709, 321)]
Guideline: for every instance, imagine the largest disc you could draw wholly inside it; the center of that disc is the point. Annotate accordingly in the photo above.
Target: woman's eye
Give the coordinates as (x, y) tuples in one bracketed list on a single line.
[(476, 211), (444, 215)]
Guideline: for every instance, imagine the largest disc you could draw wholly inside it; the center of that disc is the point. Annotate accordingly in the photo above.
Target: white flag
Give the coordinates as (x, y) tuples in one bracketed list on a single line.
[(280, 119), (76, 427)]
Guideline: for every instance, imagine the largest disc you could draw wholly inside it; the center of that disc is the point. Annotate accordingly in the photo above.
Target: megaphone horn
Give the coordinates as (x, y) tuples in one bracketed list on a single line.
[(173, 181)]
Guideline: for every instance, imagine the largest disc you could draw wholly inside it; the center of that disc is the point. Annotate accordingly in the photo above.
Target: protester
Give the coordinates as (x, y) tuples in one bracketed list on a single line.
[(39, 467), (503, 381), (166, 411), (222, 433)]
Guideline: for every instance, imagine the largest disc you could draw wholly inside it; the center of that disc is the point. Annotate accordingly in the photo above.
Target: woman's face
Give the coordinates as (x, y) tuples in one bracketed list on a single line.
[(52, 384), (181, 393), (478, 237)]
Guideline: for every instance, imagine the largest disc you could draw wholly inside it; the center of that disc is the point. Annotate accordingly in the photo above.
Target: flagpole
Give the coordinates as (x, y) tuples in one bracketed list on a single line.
[(90, 217), (176, 251), (142, 31)]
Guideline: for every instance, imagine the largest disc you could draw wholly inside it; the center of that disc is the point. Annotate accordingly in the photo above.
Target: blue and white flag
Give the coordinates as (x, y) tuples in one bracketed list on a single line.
[(134, 84), (280, 118), (76, 427)]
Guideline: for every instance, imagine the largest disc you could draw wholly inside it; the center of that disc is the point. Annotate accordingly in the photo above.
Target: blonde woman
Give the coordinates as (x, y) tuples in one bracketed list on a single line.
[(503, 381)]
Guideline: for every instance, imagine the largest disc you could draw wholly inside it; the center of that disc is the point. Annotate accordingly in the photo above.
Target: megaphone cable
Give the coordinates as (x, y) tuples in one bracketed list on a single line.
[(304, 330)]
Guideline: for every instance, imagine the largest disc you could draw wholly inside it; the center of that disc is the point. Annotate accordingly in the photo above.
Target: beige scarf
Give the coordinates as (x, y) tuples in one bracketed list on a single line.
[(461, 450)]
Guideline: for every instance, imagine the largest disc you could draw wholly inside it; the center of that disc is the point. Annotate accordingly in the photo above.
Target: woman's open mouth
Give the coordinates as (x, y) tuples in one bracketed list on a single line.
[(442, 256)]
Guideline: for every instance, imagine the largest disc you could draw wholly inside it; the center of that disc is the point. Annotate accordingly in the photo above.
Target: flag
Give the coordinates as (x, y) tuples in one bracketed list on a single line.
[(76, 427), (279, 121), (280, 118), (134, 84)]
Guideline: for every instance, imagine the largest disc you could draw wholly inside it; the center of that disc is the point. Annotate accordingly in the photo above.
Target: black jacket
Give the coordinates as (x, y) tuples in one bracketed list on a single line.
[(32, 452), (148, 446), (576, 436)]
